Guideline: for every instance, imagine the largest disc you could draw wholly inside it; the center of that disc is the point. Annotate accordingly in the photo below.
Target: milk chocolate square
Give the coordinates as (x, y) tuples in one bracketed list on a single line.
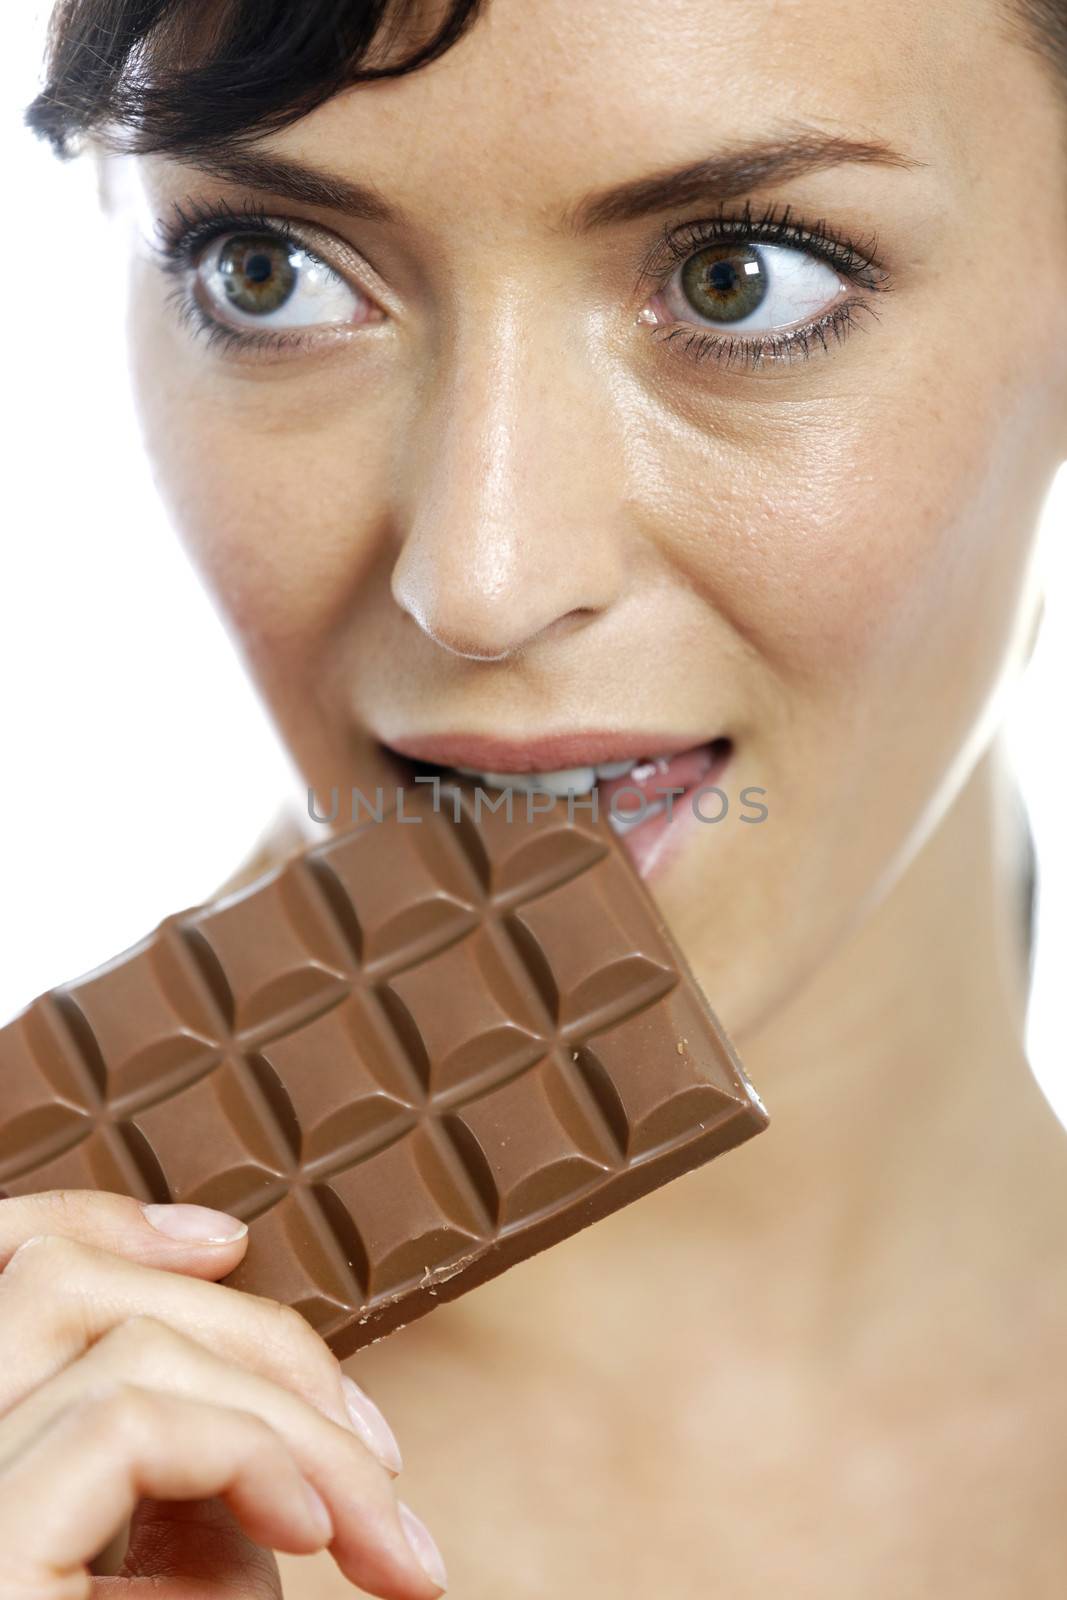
[(409, 1057)]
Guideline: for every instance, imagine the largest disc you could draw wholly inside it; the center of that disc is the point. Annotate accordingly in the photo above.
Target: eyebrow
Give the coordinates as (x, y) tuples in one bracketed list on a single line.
[(726, 176)]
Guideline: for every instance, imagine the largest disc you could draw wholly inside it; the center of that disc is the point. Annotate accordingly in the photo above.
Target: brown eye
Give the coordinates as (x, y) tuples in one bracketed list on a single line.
[(740, 285), (726, 282), (257, 273), (262, 280)]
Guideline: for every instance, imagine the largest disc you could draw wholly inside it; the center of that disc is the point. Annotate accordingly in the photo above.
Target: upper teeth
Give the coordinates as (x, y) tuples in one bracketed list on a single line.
[(576, 780)]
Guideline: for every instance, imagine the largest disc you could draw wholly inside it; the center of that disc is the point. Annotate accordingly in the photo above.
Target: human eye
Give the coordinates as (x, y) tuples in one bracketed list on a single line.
[(751, 290), (250, 283)]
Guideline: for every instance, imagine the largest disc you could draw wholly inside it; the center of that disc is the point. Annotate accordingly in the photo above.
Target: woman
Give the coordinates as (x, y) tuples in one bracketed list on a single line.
[(539, 387)]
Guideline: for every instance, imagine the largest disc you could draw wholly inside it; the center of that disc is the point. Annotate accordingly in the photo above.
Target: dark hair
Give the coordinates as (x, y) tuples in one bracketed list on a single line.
[(178, 76), (1042, 27), (188, 75)]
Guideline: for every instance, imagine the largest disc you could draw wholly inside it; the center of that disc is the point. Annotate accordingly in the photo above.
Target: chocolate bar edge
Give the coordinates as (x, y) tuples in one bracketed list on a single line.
[(348, 1332), (734, 1128)]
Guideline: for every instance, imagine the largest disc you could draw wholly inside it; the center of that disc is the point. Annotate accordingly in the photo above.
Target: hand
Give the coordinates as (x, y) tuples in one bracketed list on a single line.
[(132, 1383)]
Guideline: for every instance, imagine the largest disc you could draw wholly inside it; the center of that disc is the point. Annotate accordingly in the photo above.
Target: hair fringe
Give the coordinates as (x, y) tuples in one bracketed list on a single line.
[(179, 76)]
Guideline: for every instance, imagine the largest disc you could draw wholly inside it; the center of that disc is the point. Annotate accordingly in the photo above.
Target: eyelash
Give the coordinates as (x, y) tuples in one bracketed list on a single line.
[(859, 263), (183, 234)]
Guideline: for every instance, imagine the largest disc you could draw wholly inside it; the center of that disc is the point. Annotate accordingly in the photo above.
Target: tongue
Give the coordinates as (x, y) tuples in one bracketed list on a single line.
[(650, 778)]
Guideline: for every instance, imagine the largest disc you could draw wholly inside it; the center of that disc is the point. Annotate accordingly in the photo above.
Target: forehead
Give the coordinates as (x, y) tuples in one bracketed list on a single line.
[(538, 99)]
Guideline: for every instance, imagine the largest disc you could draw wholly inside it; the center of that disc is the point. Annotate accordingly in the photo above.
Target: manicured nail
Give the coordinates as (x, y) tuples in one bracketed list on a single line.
[(196, 1224), (320, 1514), (419, 1538), (371, 1426)]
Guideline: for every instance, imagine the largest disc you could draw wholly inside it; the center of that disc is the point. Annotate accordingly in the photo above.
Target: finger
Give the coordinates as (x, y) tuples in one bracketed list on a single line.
[(140, 1442), (176, 1238), (58, 1295), (371, 1536)]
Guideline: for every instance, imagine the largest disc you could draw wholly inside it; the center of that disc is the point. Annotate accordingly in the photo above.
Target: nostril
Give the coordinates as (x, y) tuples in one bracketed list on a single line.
[(501, 636), (460, 637), (472, 643), (572, 620), (467, 648), (483, 593)]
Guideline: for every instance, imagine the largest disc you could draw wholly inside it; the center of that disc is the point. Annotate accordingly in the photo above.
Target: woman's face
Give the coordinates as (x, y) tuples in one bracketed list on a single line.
[(488, 496)]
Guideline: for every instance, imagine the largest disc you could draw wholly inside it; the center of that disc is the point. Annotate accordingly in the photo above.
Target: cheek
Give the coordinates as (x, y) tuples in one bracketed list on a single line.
[(864, 552), (277, 516), (263, 528)]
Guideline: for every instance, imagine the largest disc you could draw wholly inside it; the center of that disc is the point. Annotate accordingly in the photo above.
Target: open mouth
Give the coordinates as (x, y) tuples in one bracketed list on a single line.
[(646, 795)]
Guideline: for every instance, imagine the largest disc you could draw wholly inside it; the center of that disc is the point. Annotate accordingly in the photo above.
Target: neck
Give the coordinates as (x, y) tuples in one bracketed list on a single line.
[(896, 1081), (923, 1007)]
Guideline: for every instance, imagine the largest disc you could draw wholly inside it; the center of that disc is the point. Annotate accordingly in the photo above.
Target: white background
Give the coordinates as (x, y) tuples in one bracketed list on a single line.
[(137, 766)]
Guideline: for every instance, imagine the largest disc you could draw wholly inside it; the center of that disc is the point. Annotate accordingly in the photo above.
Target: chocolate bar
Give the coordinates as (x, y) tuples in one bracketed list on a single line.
[(410, 1056)]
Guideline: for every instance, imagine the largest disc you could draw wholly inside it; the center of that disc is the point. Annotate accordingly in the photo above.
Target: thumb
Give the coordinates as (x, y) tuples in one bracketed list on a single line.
[(184, 1238), (191, 1550)]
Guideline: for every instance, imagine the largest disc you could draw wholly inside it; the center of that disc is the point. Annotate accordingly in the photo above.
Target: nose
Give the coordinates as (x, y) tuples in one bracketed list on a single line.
[(513, 505)]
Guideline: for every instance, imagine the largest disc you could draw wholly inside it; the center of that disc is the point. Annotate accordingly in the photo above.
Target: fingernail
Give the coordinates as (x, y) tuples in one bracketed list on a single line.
[(371, 1426), (195, 1223), (419, 1538), (320, 1515)]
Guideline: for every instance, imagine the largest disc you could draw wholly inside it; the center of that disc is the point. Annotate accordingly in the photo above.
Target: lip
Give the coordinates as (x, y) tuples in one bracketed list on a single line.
[(649, 844), (553, 752), (656, 841)]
